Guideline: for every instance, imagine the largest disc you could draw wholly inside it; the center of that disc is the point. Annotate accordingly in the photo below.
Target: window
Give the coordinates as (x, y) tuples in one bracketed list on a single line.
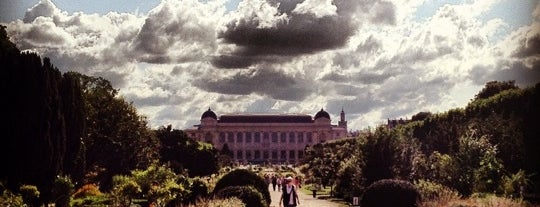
[(239, 154), (248, 155), (266, 136), (283, 137), (283, 154), (221, 137), (274, 137), (266, 155), (292, 137), (257, 154), (274, 154), (257, 137), (300, 137), (309, 137), (239, 137), (248, 137), (291, 155), (300, 154), (230, 137)]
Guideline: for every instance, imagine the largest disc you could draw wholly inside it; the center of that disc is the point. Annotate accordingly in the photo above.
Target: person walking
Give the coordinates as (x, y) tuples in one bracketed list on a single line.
[(274, 182), (279, 181), (289, 197)]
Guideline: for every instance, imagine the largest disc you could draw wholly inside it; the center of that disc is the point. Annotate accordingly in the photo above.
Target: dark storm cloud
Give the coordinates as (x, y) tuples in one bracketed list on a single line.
[(335, 77), (360, 105), (360, 77), (267, 82), (528, 46), (516, 70), (301, 33)]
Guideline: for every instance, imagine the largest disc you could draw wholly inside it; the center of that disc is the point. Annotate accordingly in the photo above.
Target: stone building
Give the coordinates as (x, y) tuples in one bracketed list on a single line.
[(275, 138)]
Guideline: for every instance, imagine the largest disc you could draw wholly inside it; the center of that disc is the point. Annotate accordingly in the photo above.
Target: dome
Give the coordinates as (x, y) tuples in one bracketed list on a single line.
[(209, 114), (321, 114)]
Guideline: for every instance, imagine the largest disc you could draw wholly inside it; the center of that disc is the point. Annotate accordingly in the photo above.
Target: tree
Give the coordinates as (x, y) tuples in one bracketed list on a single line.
[(421, 116), (37, 136), (183, 153), (118, 139), (494, 87)]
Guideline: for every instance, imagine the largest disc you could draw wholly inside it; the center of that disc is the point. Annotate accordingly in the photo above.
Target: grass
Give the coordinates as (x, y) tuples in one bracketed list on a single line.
[(323, 193)]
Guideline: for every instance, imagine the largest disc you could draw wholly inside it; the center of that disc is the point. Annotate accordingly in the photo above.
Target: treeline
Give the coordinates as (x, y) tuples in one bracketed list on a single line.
[(488, 147), (75, 128)]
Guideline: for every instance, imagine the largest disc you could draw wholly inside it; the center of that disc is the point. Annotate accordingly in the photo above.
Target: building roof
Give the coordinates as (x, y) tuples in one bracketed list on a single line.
[(265, 118), (209, 114), (322, 113)]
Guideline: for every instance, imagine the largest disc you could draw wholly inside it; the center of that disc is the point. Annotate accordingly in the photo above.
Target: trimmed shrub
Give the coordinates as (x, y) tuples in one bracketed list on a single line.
[(241, 177), (248, 194), (390, 193)]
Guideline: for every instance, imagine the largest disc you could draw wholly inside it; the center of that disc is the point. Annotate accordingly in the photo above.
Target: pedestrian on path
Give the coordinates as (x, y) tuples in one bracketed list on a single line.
[(289, 196), (274, 182)]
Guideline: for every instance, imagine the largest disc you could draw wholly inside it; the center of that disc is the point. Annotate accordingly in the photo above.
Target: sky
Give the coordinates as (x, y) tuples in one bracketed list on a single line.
[(375, 59)]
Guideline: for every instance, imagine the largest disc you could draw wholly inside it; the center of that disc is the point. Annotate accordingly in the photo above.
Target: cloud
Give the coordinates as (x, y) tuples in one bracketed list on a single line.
[(44, 8), (371, 57), (292, 28), (177, 31), (268, 82)]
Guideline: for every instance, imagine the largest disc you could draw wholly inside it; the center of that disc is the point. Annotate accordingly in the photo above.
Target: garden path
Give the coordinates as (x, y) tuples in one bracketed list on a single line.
[(305, 200)]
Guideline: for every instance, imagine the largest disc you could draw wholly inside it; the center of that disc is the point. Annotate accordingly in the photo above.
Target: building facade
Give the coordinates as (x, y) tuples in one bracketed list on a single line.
[(274, 138)]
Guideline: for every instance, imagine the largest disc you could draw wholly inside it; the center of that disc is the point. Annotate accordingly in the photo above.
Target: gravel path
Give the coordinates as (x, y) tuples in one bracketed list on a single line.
[(305, 200)]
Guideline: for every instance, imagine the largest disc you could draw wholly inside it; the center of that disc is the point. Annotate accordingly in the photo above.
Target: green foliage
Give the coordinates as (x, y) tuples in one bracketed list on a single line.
[(494, 87), (380, 152), (241, 177), (431, 191), (41, 105), (515, 184), (479, 168), (248, 194), (199, 189), (390, 193), (323, 160), (8, 198), (30, 194), (183, 153), (349, 180), (420, 116), (124, 190), (62, 189), (118, 140), (218, 202), (160, 184)]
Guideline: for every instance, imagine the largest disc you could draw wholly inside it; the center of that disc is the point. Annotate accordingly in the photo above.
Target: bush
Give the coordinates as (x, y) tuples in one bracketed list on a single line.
[(390, 193), (228, 202), (87, 190), (248, 194), (241, 177), (198, 190), (431, 191)]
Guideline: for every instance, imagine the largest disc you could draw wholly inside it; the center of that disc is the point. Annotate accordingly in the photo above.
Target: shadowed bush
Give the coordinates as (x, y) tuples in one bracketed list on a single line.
[(248, 194), (241, 177), (390, 193)]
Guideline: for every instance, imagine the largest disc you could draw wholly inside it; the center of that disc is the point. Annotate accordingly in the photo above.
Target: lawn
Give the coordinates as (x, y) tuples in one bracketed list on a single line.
[(323, 193)]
